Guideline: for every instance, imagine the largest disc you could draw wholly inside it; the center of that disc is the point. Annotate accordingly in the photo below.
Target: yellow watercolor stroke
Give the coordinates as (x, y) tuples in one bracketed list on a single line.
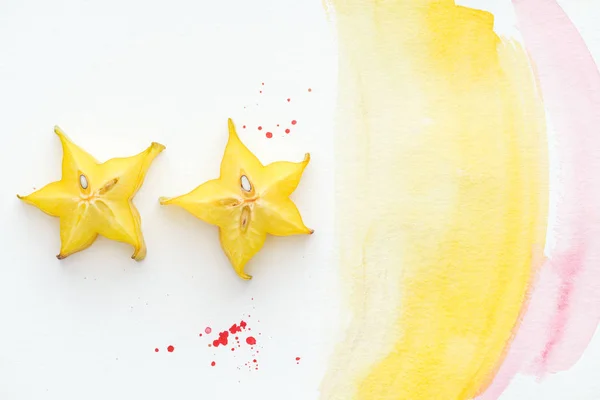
[(442, 192)]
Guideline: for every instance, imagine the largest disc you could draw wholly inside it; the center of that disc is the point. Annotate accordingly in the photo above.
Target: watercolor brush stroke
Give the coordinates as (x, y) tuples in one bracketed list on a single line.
[(442, 192), (563, 314)]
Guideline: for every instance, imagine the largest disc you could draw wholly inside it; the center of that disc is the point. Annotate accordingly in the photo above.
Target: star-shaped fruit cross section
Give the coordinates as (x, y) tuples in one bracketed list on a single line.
[(247, 201), (94, 198)]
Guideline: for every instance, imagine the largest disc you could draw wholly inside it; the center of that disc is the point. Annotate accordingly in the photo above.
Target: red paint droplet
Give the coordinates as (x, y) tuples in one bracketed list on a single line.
[(243, 324), (250, 340), (208, 330), (269, 135), (233, 348), (212, 364), (244, 126), (260, 128), (170, 349), (263, 84), (200, 335), (254, 360), (287, 131), (215, 343), (294, 122), (297, 358), (156, 350), (288, 100)]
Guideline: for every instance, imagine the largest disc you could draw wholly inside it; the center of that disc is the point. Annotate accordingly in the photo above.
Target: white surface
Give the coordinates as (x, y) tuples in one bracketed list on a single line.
[(115, 76)]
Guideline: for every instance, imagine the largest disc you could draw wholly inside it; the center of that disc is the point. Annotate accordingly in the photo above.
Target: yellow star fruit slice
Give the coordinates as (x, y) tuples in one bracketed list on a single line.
[(247, 202), (94, 198)]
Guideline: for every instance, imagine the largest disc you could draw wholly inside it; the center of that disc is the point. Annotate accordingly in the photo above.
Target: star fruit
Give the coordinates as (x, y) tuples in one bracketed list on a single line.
[(248, 201), (95, 198)]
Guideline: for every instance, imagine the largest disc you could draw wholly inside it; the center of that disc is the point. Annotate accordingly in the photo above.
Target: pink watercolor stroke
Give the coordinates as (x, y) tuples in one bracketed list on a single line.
[(564, 307)]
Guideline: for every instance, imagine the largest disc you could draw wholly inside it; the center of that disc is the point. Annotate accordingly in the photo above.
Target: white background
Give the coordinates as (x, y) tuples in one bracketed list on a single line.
[(116, 75)]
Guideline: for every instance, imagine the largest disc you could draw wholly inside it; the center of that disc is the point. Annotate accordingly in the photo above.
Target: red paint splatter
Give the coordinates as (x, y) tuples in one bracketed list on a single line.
[(297, 358), (244, 126), (200, 335), (287, 131), (294, 122), (232, 333), (212, 364), (269, 135), (156, 350), (288, 100), (235, 328), (260, 128), (170, 349), (208, 330), (222, 340)]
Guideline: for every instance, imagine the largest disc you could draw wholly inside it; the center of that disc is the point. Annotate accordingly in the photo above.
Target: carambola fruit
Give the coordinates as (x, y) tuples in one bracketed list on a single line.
[(247, 201), (94, 198)]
